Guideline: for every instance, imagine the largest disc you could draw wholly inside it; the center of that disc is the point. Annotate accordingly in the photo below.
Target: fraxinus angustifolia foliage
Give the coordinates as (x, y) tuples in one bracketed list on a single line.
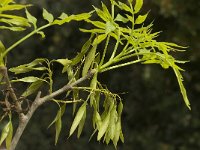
[(134, 42)]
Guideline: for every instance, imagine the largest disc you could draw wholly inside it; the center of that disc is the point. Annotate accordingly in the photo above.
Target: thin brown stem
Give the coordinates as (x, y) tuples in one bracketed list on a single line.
[(38, 102)]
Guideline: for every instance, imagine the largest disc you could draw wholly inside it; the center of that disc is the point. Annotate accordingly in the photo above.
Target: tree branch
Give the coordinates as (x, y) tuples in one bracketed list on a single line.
[(4, 72), (39, 101)]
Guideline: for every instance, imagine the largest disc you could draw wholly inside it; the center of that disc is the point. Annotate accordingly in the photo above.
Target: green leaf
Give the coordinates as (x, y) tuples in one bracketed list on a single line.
[(81, 125), (64, 62), (138, 6), (29, 67), (5, 2), (182, 88), (2, 48), (32, 88), (117, 132), (9, 137), (41, 33), (101, 14), (63, 16), (29, 79), (141, 18), (47, 16), (84, 49), (12, 7), (13, 28), (98, 24), (89, 60), (31, 19), (125, 7), (78, 118), (99, 39), (121, 136), (120, 108), (109, 27), (96, 120), (121, 18), (5, 132), (106, 12), (62, 109), (15, 21), (58, 125), (66, 19), (112, 123), (95, 31), (103, 126)]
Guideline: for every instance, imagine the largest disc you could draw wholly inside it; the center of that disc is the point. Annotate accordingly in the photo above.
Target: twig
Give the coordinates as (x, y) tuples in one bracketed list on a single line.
[(4, 72), (38, 102)]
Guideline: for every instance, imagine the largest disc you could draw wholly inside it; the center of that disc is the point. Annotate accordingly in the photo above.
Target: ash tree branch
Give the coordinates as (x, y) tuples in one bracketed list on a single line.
[(4, 72), (41, 100)]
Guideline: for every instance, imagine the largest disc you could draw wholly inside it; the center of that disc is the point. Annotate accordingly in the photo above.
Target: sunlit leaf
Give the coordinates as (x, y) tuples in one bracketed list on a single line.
[(31, 19), (138, 6), (12, 28), (41, 33), (63, 16), (125, 7), (98, 24), (140, 19), (105, 10), (58, 125), (84, 49), (47, 16), (89, 60), (103, 127), (32, 88), (109, 27), (93, 31), (5, 132), (78, 118), (12, 7), (99, 39), (121, 18), (9, 137), (81, 125), (117, 132), (182, 88), (29, 79), (5, 2)]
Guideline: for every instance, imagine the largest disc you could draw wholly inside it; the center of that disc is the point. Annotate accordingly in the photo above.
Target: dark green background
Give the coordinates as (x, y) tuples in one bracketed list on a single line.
[(155, 116)]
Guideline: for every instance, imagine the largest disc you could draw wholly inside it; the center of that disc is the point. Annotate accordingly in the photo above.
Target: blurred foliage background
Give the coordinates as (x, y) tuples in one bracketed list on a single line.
[(155, 116)]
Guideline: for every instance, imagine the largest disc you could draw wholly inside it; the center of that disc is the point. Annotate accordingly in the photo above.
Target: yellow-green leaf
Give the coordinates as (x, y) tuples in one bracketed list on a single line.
[(182, 88), (58, 125), (5, 132), (84, 49), (9, 137), (140, 19), (81, 125), (103, 126), (47, 16), (121, 18), (12, 28), (99, 39), (110, 26), (117, 132), (31, 19), (32, 88), (138, 6), (29, 79), (89, 60), (78, 118)]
